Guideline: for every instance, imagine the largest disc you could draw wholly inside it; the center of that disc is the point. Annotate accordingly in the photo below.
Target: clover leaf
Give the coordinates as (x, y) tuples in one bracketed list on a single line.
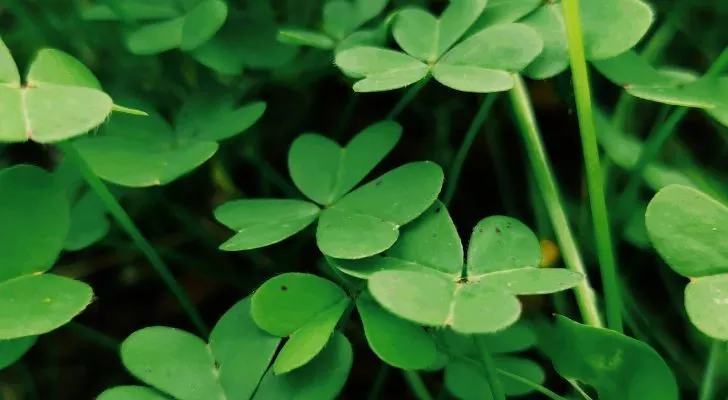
[(422, 278), (35, 219), (140, 152), (687, 228), (60, 99), (12, 350), (617, 366), (352, 225)]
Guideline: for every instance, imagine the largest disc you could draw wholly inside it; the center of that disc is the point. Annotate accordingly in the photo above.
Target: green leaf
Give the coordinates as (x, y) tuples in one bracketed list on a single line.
[(56, 67), (522, 367), (321, 379), (382, 69), (141, 151), (243, 350), (366, 221), (466, 379), (202, 22), (502, 243), (339, 18), (131, 392), (702, 93), (36, 218), (417, 33), (531, 281), (619, 367), (174, 361), (397, 342), (36, 304), (706, 301), (89, 223), (720, 111), (631, 69), (548, 22), (454, 22), (613, 27), (324, 171), (14, 349), (306, 38), (137, 10), (518, 337), (9, 74), (688, 230), (368, 9), (430, 242), (467, 78), (208, 116), (156, 37), (262, 222), (503, 11)]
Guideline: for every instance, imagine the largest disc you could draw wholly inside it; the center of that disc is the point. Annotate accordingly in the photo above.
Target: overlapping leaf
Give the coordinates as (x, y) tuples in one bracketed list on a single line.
[(617, 366), (12, 350), (419, 279), (60, 99), (688, 230)]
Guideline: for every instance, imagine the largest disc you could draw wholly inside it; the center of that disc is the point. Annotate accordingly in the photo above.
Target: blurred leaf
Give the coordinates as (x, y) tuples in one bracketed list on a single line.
[(613, 27), (548, 21), (306, 38), (14, 349), (208, 116), (131, 392)]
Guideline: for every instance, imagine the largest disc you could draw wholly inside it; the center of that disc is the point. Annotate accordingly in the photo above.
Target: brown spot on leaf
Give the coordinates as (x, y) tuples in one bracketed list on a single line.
[(497, 230), (284, 288)]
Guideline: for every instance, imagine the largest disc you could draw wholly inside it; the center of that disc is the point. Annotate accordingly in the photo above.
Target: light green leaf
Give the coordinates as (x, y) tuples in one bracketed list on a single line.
[(35, 217), (417, 33), (368, 9), (397, 342), (630, 69), (324, 171), (156, 37), (382, 69), (455, 21), (303, 37), (36, 304), (502, 243), (706, 301), (466, 379), (339, 18), (467, 78), (89, 223), (720, 112), (208, 116), (321, 379), (548, 21), (174, 361), (366, 221), (202, 22), (12, 350), (56, 67), (430, 242), (689, 230), (619, 367), (262, 222), (137, 10), (243, 351), (503, 11), (613, 27), (131, 392), (531, 281), (522, 367)]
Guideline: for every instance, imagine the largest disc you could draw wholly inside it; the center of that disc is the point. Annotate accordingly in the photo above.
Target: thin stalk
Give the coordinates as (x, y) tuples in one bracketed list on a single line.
[(94, 335), (502, 173), (708, 387), (595, 179), (457, 165), (407, 98), (491, 373), (546, 181), (379, 382), (578, 389), (125, 221), (418, 387), (551, 395)]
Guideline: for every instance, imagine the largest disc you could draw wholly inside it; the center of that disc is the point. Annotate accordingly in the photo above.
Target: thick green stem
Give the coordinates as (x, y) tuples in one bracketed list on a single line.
[(123, 219), (708, 387), (548, 187), (594, 174), (491, 373), (407, 98), (457, 164), (418, 387)]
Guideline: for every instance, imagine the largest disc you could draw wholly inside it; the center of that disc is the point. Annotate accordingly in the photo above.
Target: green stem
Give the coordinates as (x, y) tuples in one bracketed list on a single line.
[(125, 221), (457, 165), (379, 382), (94, 335), (708, 387), (407, 98), (546, 181), (578, 389), (595, 179), (418, 387), (491, 373), (532, 385)]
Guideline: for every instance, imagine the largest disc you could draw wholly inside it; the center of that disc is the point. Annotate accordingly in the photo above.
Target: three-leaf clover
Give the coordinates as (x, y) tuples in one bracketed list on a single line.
[(233, 365), (617, 366), (687, 228), (59, 99), (138, 152), (353, 224), (36, 218), (423, 279)]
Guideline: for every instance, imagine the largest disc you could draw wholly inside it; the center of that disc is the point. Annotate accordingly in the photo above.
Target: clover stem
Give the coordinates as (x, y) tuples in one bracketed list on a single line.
[(125, 221), (491, 373), (379, 381), (407, 98), (707, 388), (457, 164), (594, 173), (548, 187), (551, 395), (94, 335), (415, 383)]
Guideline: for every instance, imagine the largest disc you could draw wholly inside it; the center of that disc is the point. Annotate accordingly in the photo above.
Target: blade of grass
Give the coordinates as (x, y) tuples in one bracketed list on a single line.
[(708, 387), (546, 181), (551, 395), (379, 382), (491, 374), (595, 179), (125, 221), (407, 98), (418, 387), (457, 165)]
